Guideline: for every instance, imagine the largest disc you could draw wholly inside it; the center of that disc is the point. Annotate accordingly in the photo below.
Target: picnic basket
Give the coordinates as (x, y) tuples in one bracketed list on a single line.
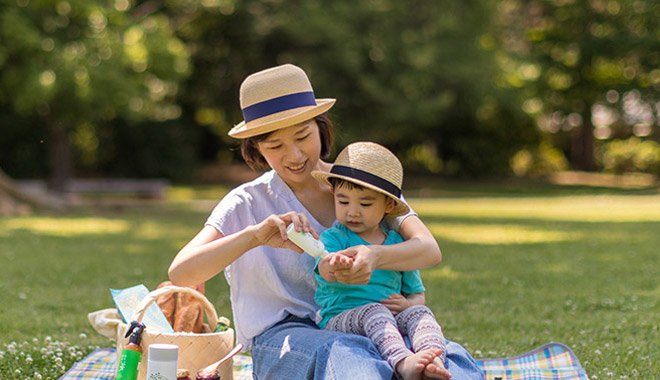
[(196, 351)]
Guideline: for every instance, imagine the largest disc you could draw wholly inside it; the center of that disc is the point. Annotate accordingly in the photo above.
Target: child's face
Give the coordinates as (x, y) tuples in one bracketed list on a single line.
[(361, 210)]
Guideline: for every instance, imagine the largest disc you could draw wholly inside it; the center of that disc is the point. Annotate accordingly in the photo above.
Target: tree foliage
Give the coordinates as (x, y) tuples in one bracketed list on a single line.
[(455, 87), (76, 64), (410, 75), (416, 77), (570, 57)]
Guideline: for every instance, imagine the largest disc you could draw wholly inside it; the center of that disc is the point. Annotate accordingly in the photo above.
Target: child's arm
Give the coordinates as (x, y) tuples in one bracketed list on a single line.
[(397, 303)]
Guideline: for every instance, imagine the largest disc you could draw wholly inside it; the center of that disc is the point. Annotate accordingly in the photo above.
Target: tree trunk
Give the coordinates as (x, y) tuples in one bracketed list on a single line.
[(59, 156), (582, 145)]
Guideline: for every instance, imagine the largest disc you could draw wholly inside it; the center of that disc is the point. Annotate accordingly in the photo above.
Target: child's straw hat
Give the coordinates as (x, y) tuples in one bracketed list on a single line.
[(277, 98), (372, 166)]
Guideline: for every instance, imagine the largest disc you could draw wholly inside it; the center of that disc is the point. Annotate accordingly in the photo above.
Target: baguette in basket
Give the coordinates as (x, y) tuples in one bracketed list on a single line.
[(183, 311), (196, 350)]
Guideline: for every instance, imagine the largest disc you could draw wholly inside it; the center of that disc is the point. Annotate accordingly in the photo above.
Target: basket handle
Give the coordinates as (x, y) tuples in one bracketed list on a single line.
[(150, 298)]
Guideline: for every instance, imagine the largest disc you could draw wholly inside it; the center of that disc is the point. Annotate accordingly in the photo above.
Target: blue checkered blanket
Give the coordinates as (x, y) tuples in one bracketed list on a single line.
[(102, 365), (550, 361)]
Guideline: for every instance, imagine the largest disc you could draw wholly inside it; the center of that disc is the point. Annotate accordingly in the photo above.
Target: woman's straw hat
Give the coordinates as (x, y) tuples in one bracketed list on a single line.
[(277, 98), (372, 166)]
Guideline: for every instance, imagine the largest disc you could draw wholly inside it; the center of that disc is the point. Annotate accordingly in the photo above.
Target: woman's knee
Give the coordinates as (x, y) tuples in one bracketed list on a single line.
[(350, 356)]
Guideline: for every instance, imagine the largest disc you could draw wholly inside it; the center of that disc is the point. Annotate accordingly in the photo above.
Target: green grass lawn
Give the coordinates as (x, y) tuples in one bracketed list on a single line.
[(577, 266)]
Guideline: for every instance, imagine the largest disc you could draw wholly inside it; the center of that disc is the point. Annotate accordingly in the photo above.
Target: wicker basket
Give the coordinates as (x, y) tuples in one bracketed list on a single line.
[(196, 351)]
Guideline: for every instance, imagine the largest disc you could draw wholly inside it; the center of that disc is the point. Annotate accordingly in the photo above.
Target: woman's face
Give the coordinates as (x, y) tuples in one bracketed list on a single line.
[(293, 152)]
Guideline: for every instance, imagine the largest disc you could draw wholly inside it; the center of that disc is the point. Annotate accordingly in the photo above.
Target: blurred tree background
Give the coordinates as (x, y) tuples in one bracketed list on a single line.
[(457, 88)]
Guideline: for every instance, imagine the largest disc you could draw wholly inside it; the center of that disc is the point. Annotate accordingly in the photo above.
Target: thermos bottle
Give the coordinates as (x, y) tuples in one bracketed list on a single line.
[(162, 361)]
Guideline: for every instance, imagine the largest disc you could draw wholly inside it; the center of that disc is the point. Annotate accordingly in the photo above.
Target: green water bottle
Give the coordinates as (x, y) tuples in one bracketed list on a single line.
[(131, 354)]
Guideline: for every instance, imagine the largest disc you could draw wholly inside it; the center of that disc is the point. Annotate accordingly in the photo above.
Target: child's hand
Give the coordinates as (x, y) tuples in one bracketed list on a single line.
[(333, 263), (396, 303), (362, 268), (339, 262)]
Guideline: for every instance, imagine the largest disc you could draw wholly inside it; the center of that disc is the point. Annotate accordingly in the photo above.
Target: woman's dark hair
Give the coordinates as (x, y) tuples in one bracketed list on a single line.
[(254, 159)]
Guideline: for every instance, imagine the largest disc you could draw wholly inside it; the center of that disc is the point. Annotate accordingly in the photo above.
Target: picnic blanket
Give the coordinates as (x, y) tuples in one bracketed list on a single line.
[(101, 364), (550, 361)]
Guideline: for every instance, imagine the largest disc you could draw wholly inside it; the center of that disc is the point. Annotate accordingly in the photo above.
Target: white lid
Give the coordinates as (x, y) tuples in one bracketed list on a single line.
[(163, 352)]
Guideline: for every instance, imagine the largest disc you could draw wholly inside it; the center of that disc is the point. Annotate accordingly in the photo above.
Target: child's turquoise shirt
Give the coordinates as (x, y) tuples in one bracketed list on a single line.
[(334, 297)]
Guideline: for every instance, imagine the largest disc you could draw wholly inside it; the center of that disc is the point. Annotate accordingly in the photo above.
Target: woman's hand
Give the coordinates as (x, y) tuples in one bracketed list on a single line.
[(364, 262), (272, 230)]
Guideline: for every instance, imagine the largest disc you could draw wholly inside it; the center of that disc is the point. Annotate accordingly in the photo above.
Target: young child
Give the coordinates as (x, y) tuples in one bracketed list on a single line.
[(366, 180)]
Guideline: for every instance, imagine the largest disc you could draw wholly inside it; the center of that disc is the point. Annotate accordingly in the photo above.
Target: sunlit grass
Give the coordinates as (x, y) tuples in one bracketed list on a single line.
[(497, 234), (446, 273), (57, 226), (188, 193), (517, 271), (601, 208)]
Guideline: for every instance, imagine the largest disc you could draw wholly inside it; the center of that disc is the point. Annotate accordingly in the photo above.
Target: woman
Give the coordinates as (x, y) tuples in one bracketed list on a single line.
[(272, 287)]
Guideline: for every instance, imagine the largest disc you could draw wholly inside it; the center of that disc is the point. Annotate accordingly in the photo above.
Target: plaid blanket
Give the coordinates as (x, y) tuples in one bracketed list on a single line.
[(550, 361), (102, 365)]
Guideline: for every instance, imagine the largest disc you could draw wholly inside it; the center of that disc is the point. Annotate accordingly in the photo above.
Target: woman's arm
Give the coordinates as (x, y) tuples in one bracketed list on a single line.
[(419, 250), (209, 252)]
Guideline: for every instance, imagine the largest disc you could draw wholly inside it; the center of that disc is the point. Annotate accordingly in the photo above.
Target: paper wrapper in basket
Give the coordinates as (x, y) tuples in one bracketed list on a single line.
[(196, 351)]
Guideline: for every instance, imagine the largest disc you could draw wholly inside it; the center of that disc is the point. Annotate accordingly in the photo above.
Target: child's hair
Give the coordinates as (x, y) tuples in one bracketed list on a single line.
[(339, 182)]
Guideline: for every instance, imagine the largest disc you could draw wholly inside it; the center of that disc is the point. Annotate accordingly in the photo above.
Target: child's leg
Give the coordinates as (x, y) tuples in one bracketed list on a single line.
[(418, 322), (376, 322)]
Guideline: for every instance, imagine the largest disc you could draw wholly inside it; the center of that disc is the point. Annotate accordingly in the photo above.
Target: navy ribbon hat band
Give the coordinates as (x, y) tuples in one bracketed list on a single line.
[(366, 177), (279, 104)]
